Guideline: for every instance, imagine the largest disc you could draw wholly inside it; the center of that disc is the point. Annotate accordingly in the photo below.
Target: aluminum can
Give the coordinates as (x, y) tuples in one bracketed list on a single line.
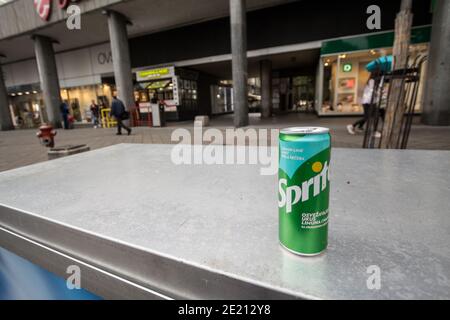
[(304, 189)]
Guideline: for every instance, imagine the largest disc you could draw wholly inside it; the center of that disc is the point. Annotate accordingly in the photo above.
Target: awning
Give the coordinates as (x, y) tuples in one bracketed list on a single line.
[(373, 41), (159, 84)]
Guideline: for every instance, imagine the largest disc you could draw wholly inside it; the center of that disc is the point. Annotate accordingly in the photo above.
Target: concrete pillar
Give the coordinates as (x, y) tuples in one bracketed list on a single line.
[(266, 88), (436, 107), (6, 122), (48, 75), (239, 61), (318, 103), (120, 50)]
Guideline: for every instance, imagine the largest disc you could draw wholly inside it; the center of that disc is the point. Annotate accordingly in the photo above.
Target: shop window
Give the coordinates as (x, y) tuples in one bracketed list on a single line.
[(79, 100), (345, 76)]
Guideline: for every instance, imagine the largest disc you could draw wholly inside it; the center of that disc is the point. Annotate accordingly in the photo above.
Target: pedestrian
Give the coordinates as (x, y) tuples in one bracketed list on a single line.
[(71, 120), (119, 113), (367, 106), (154, 99), (65, 114), (95, 111)]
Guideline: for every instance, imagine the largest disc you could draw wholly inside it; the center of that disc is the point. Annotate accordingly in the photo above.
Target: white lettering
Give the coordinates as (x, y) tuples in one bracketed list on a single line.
[(74, 20), (374, 280), (374, 21), (291, 196), (74, 280), (182, 152)]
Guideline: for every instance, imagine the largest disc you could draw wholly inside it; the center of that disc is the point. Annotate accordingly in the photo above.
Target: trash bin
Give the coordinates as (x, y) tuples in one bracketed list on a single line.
[(162, 115), (158, 115)]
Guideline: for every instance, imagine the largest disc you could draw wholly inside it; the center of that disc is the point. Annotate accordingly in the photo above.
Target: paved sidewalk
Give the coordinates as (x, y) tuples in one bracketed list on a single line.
[(21, 147)]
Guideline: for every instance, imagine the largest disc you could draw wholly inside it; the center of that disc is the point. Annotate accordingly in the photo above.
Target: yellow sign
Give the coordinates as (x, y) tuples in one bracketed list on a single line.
[(155, 73)]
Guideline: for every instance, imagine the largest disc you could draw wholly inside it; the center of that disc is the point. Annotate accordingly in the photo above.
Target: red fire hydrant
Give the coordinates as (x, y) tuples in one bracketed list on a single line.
[(47, 135)]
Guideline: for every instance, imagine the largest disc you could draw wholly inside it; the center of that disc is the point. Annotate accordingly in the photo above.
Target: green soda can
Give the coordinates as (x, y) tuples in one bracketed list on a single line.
[(304, 189)]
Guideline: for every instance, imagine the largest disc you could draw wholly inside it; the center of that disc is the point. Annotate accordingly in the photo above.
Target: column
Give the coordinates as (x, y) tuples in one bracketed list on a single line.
[(48, 75), (239, 61), (6, 122), (436, 107), (319, 86), (120, 51), (266, 88)]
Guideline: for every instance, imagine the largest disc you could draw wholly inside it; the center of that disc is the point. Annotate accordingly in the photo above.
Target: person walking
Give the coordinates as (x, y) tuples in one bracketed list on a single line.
[(65, 112), (119, 113), (95, 111), (367, 106)]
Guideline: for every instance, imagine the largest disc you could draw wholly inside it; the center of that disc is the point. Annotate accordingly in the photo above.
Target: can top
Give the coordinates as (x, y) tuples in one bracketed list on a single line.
[(305, 130)]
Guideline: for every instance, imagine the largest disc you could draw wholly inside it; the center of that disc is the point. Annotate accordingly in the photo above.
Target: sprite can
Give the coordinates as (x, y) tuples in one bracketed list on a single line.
[(304, 189)]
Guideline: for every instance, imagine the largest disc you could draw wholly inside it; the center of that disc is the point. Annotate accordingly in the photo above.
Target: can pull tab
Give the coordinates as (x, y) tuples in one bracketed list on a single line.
[(305, 130)]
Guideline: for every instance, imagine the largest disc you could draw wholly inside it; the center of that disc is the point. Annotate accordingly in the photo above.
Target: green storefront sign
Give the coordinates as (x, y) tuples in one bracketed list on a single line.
[(375, 41), (347, 67)]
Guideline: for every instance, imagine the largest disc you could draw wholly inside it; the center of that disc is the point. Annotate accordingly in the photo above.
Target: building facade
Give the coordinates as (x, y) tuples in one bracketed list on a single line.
[(302, 56)]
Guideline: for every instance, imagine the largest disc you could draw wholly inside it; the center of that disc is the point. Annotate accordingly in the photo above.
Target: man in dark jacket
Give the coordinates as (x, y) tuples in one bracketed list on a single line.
[(118, 112), (65, 112)]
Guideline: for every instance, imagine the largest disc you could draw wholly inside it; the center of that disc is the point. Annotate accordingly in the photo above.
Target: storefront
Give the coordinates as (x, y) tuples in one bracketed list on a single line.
[(176, 88), (342, 73), (222, 98), (289, 93), (292, 92), (85, 75), (79, 99), (27, 106)]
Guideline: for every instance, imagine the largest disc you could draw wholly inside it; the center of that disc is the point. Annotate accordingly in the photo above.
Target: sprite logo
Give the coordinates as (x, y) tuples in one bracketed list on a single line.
[(292, 195)]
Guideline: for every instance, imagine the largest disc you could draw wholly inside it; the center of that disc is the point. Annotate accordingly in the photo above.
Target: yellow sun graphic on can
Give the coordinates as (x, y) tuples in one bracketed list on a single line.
[(317, 167)]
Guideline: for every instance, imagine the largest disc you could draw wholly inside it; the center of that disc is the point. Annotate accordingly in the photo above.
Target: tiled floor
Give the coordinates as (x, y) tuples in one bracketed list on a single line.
[(21, 147)]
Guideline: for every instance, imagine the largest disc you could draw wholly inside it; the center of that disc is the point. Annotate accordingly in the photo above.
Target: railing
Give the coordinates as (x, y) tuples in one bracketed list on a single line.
[(142, 116), (410, 78), (139, 118), (106, 120)]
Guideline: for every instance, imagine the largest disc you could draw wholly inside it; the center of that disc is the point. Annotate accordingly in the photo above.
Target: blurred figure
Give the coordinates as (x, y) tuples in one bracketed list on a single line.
[(119, 113), (71, 120), (367, 105), (65, 114), (95, 111)]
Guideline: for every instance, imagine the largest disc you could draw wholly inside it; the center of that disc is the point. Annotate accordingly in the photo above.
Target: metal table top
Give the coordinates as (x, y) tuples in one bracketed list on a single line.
[(212, 231)]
